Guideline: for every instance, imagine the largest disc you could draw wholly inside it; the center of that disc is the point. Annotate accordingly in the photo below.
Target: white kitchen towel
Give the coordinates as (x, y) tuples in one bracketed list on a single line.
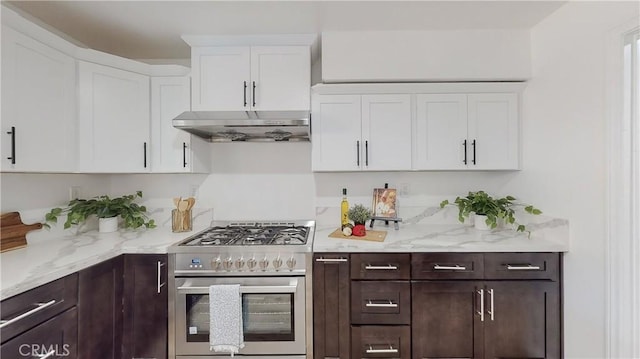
[(225, 313)]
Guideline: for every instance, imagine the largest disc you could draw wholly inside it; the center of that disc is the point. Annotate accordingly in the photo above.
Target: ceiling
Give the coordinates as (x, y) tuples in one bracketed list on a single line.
[(152, 29)]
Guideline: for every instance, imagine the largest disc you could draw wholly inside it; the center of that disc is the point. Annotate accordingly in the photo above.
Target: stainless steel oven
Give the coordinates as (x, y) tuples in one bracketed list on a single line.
[(269, 261), (273, 315)]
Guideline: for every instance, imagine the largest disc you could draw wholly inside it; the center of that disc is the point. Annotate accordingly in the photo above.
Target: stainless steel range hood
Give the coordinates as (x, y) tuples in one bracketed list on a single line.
[(225, 126)]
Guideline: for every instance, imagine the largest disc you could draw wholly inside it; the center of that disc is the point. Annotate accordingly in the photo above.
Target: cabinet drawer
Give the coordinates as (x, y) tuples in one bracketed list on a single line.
[(380, 266), (381, 342), (24, 311), (522, 265), (55, 338), (447, 266), (387, 302)]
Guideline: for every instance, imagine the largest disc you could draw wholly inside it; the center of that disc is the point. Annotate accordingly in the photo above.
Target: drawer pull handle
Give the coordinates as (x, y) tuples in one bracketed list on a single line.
[(390, 350), (47, 355), (387, 267), (456, 267), (381, 305), (40, 306), (331, 260), (525, 267)]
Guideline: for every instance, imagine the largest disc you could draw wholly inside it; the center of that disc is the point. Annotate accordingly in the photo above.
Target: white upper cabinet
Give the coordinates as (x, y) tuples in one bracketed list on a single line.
[(467, 131), (174, 150), (250, 78), (114, 122), (38, 106), (386, 132), (494, 131), (361, 132)]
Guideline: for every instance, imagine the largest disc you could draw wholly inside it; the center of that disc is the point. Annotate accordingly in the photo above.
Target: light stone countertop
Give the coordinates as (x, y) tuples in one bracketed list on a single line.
[(55, 254), (45, 260), (438, 230)]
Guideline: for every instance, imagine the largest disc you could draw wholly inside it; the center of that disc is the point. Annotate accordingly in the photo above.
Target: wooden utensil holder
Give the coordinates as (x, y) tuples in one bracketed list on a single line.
[(181, 221)]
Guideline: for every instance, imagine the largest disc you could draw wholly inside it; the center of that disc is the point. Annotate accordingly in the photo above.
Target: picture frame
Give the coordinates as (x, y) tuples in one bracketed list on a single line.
[(385, 203)]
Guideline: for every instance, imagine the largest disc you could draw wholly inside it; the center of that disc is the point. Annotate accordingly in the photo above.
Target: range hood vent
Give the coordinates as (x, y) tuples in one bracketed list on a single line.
[(227, 126)]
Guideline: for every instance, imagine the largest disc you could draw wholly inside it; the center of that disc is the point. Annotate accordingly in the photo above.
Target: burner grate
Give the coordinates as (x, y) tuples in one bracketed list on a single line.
[(251, 234)]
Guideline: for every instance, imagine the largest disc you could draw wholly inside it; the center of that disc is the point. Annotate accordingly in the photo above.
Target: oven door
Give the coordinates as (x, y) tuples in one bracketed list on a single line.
[(273, 315)]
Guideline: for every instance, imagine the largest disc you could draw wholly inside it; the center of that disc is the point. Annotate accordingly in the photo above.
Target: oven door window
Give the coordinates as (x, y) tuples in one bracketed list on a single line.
[(265, 317)]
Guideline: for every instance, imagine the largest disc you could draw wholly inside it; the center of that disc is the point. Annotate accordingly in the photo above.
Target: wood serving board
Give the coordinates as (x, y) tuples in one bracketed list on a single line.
[(13, 232), (376, 236)]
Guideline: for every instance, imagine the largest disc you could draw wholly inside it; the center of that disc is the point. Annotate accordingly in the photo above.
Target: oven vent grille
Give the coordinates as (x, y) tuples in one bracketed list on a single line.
[(261, 224)]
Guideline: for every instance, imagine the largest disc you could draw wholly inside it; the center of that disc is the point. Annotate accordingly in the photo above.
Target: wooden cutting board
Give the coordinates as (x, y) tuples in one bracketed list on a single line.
[(376, 236), (13, 232)]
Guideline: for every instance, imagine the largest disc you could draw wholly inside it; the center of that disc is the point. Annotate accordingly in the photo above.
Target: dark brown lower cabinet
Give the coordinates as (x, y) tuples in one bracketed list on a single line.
[(100, 291), (145, 306), (371, 341), (331, 306), (486, 319), (55, 338)]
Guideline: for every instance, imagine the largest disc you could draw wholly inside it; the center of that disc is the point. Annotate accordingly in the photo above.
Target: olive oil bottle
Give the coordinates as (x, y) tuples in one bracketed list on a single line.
[(344, 209)]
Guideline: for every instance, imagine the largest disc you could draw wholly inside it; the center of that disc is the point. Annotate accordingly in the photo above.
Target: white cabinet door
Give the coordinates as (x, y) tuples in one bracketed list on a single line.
[(441, 132), (493, 131), (174, 150), (336, 133), (280, 78), (113, 119), (221, 78), (39, 102), (386, 132)]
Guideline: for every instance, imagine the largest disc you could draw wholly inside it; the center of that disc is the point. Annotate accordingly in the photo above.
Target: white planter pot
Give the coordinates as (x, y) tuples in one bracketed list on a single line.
[(106, 225), (479, 222)]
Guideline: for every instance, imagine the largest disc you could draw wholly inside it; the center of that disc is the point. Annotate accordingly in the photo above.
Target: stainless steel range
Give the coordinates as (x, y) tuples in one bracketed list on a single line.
[(270, 261)]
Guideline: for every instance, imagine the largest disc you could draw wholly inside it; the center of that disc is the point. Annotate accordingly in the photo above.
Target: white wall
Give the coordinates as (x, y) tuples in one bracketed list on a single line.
[(565, 154), (444, 55)]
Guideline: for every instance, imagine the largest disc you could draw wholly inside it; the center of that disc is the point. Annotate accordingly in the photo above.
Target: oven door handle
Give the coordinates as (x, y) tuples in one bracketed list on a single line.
[(243, 289)]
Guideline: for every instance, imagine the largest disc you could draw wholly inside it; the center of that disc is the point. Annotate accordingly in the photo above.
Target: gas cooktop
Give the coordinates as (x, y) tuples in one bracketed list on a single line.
[(241, 247)]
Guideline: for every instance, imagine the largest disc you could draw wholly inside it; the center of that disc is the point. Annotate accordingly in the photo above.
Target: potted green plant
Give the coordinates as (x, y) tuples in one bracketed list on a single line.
[(488, 209), (107, 210), (359, 214)]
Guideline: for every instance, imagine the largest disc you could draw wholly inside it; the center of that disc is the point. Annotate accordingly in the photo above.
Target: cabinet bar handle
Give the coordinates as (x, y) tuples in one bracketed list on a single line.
[(473, 144), (366, 153), (145, 154), (358, 153), (331, 260), (184, 154), (390, 304), (387, 267), (464, 146), (381, 351), (456, 267), (13, 145), (522, 267), (491, 311), (245, 94), (481, 311), (160, 285), (40, 306), (254, 94), (48, 355)]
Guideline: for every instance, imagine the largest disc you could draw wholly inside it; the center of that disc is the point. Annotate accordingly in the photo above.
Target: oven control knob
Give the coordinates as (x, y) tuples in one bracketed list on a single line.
[(227, 264), (291, 263), (216, 263), (252, 263), (240, 263), (264, 263), (277, 263)]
